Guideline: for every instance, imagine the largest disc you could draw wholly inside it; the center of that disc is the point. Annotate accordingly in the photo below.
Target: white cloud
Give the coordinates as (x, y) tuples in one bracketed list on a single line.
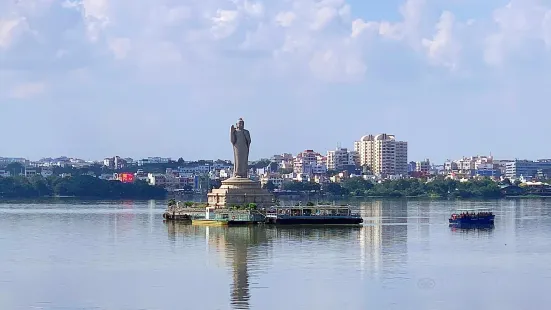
[(120, 47), (406, 30), (255, 9), (95, 14), (224, 23), (518, 23), (285, 19), (359, 26), (27, 90), (9, 29), (443, 48), (325, 39), (323, 16), (128, 55)]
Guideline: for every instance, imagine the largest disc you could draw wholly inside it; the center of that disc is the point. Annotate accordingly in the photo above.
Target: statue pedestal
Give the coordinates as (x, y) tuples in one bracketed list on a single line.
[(239, 191)]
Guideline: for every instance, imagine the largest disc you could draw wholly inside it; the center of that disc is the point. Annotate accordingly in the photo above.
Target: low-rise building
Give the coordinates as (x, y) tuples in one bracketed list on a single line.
[(46, 172), (341, 159), (4, 161), (473, 166), (153, 160), (30, 172), (310, 163), (423, 167), (107, 176), (528, 169)]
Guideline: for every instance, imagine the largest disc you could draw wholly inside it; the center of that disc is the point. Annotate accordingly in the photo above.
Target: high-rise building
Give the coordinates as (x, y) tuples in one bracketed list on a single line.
[(383, 154)]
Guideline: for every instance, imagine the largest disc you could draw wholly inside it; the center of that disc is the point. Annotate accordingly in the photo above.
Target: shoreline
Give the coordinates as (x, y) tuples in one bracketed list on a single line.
[(202, 198)]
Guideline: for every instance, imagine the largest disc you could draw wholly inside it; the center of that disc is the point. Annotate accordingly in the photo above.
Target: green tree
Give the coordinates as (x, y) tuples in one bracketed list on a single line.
[(262, 163), (15, 168), (335, 189), (41, 186), (285, 170), (270, 186), (357, 185)]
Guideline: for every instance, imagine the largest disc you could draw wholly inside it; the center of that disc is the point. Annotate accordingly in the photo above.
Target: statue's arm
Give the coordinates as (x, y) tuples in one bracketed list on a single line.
[(248, 137), (232, 135)]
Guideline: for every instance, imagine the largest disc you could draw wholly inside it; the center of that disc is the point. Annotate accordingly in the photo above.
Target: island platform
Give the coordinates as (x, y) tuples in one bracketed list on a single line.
[(277, 215)]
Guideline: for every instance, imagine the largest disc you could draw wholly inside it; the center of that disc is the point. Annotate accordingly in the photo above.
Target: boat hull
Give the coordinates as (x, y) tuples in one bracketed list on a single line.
[(473, 222), (204, 222), (315, 220), (176, 217), (471, 226)]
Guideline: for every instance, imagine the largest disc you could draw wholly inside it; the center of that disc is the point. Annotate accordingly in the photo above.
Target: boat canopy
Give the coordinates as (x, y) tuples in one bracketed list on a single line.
[(311, 207), (473, 209)]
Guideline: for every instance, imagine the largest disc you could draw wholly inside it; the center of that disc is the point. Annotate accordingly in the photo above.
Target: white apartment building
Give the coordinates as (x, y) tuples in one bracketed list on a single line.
[(153, 160), (310, 163), (339, 158), (283, 157), (423, 166), (467, 164), (354, 158), (383, 154), (45, 172)]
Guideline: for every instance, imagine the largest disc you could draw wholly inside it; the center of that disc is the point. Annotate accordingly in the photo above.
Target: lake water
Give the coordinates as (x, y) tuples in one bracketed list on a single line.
[(123, 256)]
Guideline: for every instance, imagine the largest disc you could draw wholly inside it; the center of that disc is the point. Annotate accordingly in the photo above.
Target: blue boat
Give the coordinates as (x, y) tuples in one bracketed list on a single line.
[(472, 218)]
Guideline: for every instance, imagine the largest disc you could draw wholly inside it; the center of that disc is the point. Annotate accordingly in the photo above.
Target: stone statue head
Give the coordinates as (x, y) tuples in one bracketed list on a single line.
[(240, 124)]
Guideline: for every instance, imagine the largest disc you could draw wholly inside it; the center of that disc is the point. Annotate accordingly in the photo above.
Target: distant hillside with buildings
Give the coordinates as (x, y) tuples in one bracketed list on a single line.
[(374, 158)]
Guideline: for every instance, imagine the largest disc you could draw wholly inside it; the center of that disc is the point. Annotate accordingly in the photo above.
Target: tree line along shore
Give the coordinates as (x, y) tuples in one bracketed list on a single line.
[(436, 188), (77, 186), (85, 186)]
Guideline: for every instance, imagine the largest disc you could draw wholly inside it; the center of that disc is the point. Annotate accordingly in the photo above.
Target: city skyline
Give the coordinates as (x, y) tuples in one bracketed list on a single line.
[(94, 78), (325, 154)]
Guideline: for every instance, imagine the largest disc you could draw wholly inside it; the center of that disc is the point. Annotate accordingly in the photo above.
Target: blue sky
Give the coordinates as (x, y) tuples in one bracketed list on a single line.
[(97, 78)]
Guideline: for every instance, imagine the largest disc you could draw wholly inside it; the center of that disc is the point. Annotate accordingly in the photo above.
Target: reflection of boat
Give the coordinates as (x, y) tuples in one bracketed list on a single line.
[(472, 218), (466, 228), (320, 214)]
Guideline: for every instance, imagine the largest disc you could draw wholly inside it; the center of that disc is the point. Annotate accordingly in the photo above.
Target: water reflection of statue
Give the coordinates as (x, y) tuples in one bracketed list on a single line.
[(241, 247), (242, 250), (241, 141)]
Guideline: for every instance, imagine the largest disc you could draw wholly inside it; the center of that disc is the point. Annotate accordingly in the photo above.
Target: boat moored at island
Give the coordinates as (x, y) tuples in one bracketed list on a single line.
[(229, 217), (177, 211), (313, 215), (469, 218)]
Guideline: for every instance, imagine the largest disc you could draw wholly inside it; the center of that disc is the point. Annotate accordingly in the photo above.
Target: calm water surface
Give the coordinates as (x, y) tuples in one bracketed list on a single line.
[(122, 256)]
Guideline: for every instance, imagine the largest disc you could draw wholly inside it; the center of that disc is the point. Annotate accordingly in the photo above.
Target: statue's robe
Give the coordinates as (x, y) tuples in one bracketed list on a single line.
[(241, 140)]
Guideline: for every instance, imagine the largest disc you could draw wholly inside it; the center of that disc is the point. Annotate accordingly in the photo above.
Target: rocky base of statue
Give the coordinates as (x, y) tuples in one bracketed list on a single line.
[(239, 191)]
